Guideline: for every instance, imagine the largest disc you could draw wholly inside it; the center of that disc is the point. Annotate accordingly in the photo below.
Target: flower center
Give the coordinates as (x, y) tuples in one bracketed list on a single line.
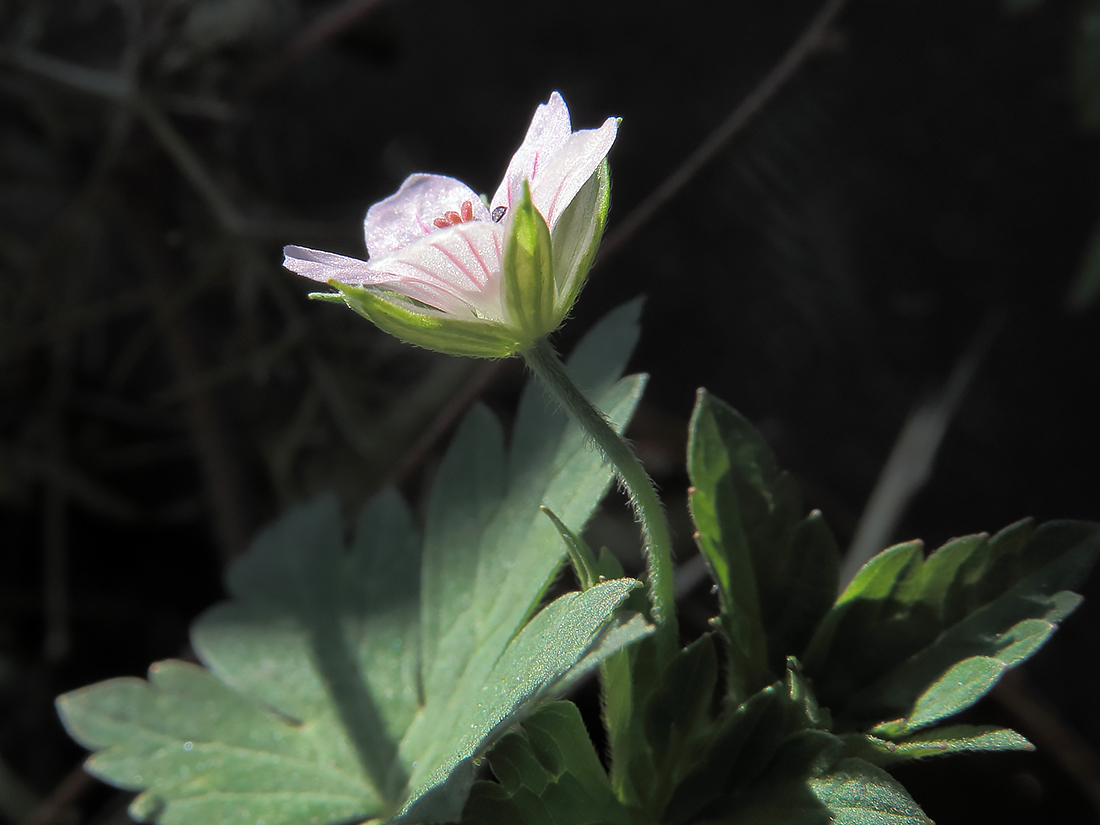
[(453, 218)]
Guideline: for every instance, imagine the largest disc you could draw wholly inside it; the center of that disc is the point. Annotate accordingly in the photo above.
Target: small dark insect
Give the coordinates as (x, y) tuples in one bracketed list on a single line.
[(498, 213)]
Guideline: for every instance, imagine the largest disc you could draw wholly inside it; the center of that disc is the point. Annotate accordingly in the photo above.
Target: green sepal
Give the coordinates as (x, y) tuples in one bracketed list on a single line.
[(528, 262), (577, 236), (394, 314)]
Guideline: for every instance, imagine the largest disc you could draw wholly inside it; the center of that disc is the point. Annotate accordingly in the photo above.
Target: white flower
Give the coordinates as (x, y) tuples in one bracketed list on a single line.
[(449, 273)]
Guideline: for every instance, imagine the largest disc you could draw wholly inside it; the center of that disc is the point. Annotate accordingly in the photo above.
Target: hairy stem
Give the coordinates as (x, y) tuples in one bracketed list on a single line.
[(549, 370)]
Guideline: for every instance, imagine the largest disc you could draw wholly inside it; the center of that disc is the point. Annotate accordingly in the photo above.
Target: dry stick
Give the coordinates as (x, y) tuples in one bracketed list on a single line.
[(810, 41)]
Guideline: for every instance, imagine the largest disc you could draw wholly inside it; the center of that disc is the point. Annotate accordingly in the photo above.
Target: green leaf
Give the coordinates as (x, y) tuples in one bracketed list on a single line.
[(771, 741), (969, 680), (776, 570), (806, 785), (447, 736), (360, 684), (959, 688), (936, 742), (549, 774), (858, 793), (202, 752), (678, 726), (904, 623)]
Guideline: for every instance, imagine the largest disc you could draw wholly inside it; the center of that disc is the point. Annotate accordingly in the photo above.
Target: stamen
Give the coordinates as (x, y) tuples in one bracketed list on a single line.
[(498, 213), (452, 218)]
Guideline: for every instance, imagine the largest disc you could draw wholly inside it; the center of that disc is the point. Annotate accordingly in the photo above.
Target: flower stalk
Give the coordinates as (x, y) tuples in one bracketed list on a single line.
[(550, 371)]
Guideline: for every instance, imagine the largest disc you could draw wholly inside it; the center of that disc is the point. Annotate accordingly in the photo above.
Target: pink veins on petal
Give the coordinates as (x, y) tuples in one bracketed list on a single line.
[(436, 242)]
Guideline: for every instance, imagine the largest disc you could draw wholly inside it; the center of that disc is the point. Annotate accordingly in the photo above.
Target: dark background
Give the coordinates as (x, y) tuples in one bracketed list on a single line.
[(165, 387)]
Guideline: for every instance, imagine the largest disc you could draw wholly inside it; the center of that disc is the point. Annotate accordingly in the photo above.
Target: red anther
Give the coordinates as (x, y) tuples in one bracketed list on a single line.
[(442, 223), (453, 217), (467, 211)]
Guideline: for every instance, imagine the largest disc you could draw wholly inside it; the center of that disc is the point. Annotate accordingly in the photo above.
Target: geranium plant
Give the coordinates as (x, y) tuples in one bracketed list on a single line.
[(421, 673)]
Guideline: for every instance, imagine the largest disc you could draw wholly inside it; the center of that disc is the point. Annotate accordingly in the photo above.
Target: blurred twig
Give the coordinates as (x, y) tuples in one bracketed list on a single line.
[(191, 167), (909, 465), (813, 37), (225, 492), (121, 89), (54, 808)]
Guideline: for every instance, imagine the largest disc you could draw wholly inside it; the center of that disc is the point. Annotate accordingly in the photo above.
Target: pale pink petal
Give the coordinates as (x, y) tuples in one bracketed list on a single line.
[(408, 214), (456, 270), (561, 178), (327, 266), (549, 130)]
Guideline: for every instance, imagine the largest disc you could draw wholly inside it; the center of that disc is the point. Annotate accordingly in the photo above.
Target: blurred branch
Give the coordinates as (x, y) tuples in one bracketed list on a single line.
[(56, 807), (264, 357), (119, 89), (92, 495), (191, 167), (812, 39), (910, 463), (224, 489), (111, 85)]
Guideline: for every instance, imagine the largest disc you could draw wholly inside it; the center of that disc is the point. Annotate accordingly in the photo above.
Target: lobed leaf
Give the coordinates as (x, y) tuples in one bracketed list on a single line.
[(200, 751), (982, 604), (549, 774), (348, 684), (776, 571)]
